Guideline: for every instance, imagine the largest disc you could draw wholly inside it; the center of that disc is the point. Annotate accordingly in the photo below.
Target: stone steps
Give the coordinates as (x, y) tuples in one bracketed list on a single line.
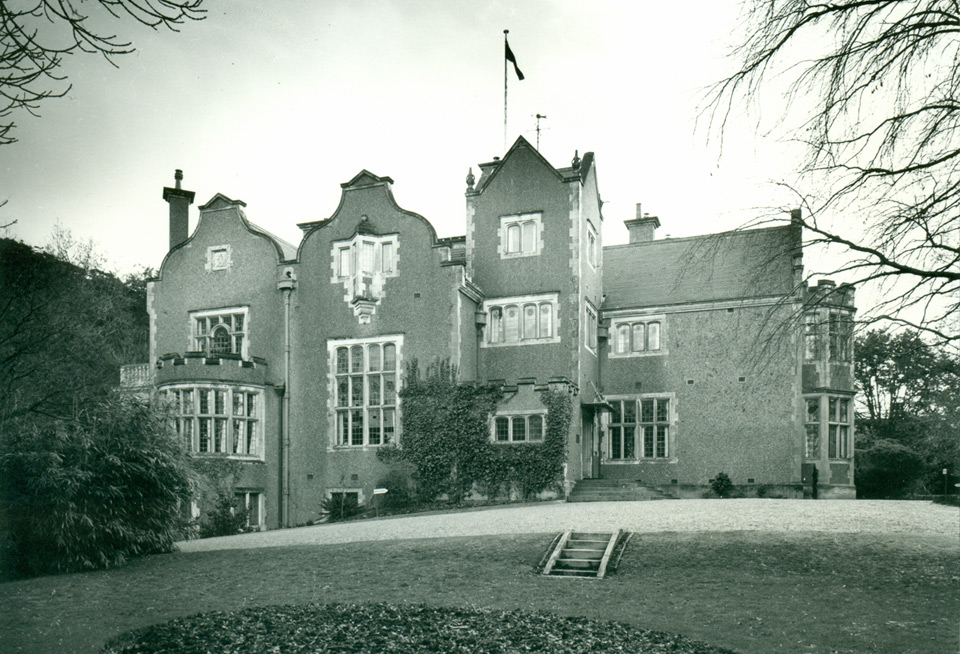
[(613, 490)]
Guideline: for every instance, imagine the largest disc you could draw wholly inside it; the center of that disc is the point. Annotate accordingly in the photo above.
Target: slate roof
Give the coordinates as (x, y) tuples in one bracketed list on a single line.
[(289, 249), (715, 267)]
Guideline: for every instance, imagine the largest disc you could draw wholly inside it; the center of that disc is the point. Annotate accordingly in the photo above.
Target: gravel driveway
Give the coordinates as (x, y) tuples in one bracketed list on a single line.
[(836, 516)]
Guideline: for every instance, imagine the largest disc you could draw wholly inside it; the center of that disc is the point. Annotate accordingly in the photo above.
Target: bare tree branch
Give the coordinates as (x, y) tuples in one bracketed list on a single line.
[(34, 38), (875, 95)]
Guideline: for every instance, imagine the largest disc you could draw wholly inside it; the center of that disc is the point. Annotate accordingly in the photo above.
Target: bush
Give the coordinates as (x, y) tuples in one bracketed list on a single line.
[(342, 506), (887, 469), (721, 484), (401, 491), (92, 491), (226, 518)]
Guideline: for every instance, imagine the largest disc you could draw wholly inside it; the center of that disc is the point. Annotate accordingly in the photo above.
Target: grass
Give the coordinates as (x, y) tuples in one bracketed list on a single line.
[(746, 591)]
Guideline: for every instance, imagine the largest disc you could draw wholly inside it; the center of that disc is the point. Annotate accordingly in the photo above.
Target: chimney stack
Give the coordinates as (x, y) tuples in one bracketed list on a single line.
[(179, 201), (643, 228)]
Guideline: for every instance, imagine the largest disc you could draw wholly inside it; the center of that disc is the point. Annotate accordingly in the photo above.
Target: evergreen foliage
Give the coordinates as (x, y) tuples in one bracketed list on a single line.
[(721, 484), (907, 431), (226, 518), (92, 491)]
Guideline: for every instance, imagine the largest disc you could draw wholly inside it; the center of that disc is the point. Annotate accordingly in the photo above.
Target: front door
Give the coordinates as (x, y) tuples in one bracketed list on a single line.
[(591, 445)]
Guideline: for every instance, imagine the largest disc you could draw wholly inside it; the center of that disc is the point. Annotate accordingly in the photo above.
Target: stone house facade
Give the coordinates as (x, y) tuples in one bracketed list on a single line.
[(684, 357)]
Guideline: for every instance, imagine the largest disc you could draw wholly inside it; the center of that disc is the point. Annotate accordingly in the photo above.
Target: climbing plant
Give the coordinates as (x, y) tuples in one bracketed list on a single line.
[(446, 439), (531, 468)]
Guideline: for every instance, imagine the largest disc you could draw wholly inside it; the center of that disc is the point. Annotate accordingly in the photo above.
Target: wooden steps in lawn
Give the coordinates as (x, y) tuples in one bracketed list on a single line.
[(581, 555)]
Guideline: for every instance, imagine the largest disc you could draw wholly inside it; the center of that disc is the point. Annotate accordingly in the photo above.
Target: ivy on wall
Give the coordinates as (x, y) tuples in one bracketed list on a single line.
[(446, 439)]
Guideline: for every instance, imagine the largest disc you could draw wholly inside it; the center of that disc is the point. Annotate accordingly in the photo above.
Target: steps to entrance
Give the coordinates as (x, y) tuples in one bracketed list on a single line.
[(614, 490), (581, 555)]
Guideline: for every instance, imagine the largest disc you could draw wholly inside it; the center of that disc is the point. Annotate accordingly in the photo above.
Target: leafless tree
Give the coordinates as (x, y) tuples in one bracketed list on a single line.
[(874, 89), (36, 34)]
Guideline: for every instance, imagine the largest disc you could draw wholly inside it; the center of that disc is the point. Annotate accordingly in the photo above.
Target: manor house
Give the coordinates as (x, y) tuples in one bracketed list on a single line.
[(683, 357)]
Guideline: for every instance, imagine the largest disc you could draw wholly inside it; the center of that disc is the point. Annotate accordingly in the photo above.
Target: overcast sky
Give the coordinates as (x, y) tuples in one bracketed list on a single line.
[(278, 107)]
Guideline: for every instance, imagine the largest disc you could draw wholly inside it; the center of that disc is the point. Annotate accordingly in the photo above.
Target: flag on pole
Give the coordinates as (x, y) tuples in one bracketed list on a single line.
[(512, 59)]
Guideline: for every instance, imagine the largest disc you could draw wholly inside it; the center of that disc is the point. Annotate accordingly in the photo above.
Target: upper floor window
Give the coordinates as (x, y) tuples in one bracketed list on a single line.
[(520, 235), (525, 428), (367, 255), (640, 428), (828, 333), (590, 328), (637, 337), (365, 381), (522, 320), (217, 419), (593, 246), (222, 331)]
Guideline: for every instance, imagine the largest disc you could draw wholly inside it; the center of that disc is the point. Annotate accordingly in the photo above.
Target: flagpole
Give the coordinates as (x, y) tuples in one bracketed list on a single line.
[(505, 32)]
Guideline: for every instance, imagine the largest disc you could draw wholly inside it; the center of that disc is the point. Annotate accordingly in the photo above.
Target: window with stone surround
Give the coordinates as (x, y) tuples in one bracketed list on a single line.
[(838, 428), (641, 428), (519, 427), (524, 320), (366, 254), (365, 402), (590, 327), (637, 336), (220, 331), (217, 418), (828, 420), (520, 235)]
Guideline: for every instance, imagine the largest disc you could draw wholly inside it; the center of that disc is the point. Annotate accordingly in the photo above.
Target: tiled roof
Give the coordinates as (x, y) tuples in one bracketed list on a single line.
[(727, 266)]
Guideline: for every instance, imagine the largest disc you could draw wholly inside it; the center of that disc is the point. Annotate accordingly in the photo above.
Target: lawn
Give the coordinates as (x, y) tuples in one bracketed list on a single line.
[(746, 591)]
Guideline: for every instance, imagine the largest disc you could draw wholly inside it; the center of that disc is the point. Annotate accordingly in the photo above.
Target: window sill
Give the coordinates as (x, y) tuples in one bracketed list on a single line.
[(620, 462), (519, 255), (539, 442), (637, 355), (252, 458), (532, 341)]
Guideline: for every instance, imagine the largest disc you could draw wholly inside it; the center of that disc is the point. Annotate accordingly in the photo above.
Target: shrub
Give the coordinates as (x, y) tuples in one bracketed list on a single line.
[(92, 491), (341, 506), (886, 469), (226, 518), (721, 484), (761, 491), (815, 483), (401, 491)]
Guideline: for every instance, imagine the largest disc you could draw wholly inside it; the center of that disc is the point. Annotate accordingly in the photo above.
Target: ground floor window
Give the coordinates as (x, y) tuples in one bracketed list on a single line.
[(828, 419), (640, 428), (365, 400), (251, 502), (524, 428), (217, 419)]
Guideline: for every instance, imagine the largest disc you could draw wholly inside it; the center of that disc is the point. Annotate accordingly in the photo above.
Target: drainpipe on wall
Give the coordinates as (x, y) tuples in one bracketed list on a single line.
[(286, 286)]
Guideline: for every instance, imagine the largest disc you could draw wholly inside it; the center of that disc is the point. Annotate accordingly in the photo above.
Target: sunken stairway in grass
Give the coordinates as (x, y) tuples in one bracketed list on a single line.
[(614, 490), (582, 555)]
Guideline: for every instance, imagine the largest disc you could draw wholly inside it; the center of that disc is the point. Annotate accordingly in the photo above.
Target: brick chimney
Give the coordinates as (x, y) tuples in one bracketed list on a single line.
[(643, 228), (179, 201)]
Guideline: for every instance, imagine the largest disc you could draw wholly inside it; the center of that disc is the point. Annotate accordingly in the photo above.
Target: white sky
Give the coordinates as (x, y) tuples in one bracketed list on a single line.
[(278, 107)]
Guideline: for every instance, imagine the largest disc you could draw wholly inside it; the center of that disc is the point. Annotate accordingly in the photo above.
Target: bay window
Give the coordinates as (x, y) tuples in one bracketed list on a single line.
[(217, 419)]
